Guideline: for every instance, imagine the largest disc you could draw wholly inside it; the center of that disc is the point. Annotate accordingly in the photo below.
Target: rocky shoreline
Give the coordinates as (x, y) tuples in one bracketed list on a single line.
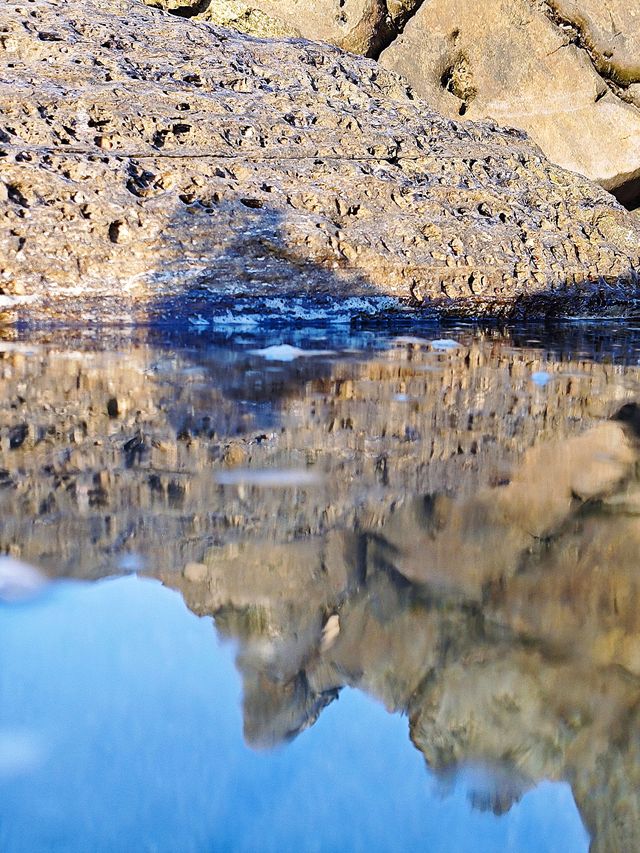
[(153, 164), (446, 520)]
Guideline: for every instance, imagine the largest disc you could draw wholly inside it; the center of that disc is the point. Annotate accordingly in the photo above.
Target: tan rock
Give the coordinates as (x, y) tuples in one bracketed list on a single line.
[(360, 26), (246, 18), (524, 65), (610, 30), (195, 572), (295, 169), (566, 71)]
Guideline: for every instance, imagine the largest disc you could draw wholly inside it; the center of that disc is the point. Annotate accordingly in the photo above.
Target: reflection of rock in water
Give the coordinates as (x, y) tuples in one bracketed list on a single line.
[(503, 623), (492, 787), (470, 558), (103, 453)]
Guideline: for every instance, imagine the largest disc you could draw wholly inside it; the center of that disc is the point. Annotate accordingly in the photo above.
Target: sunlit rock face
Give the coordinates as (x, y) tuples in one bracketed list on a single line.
[(566, 71), (562, 70), (153, 165), (359, 26)]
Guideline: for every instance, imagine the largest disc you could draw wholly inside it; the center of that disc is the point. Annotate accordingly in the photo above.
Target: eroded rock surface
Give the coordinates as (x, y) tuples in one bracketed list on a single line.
[(566, 71), (147, 158), (360, 26), (563, 71)]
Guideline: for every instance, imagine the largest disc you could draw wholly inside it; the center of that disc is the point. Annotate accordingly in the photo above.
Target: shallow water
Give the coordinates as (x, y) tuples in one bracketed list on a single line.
[(325, 588)]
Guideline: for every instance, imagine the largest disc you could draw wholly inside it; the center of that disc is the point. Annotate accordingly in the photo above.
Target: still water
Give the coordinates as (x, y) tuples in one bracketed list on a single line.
[(330, 588)]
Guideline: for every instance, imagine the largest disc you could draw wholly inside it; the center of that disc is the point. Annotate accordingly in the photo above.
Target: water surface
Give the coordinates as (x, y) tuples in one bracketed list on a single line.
[(320, 588)]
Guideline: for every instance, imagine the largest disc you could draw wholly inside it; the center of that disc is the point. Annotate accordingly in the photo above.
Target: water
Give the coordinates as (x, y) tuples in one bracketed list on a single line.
[(380, 596)]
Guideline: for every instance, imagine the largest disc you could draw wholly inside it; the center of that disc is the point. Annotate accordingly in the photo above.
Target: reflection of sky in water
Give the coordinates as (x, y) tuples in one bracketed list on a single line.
[(120, 730)]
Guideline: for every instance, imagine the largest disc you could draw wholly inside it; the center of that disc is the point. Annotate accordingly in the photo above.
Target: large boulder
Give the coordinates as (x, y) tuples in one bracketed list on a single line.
[(147, 158), (566, 71), (562, 71), (610, 31)]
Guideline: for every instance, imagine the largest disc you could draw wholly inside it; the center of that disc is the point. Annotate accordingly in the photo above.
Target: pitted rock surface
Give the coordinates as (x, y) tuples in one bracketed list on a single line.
[(563, 71), (566, 71), (146, 158), (360, 26)]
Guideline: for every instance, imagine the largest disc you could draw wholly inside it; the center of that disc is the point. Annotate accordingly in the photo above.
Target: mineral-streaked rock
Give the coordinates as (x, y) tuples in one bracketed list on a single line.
[(610, 30), (145, 156)]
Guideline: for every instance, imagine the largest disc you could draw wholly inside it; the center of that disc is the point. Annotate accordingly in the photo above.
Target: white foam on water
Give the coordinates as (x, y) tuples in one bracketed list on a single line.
[(19, 581), (228, 318), (269, 309), (295, 309), (199, 321), (285, 352), (410, 339), (444, 344)]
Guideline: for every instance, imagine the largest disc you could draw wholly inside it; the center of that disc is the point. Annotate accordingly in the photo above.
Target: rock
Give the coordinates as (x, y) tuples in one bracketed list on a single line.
[(610, 31), (330, 632), (195, 572), (472, 544), (519, 684), (234, 455), (360, 26), (264, 167), (563, 71), (566, 71), (232, 13), (607, 790)]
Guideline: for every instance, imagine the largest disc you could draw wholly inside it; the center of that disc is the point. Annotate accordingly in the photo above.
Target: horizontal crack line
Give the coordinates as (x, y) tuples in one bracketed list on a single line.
[(203, 155)]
